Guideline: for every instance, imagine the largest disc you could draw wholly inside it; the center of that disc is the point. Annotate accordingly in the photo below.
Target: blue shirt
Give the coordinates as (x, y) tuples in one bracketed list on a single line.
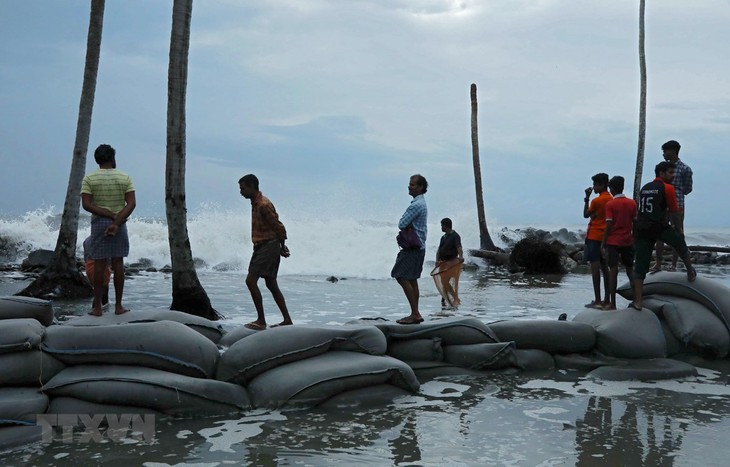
[(682, 182), (417, 215)]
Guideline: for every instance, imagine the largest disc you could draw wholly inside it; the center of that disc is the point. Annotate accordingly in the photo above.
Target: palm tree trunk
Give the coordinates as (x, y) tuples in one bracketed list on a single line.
[(642, 104), (62, 279), (188, 294), (485, 240)]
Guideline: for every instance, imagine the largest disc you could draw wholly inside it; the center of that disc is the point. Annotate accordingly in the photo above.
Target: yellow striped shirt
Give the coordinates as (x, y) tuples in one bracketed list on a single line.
[(108, 187)]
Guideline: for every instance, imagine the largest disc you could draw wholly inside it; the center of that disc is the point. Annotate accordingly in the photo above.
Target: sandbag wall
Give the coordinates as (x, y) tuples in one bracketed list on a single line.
[(24, 368)]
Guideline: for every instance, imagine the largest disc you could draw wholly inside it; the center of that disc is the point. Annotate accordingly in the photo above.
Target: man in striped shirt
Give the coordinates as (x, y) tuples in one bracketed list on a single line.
[(108, 194), (682, 186)]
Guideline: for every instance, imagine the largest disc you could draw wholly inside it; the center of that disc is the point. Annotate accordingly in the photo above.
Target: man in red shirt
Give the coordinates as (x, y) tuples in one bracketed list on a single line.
[(596, 211), (618, 238)]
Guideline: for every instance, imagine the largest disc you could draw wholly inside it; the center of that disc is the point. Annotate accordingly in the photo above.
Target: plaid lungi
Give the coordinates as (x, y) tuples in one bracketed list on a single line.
[(108, 246), (408, 264), (265, 259)]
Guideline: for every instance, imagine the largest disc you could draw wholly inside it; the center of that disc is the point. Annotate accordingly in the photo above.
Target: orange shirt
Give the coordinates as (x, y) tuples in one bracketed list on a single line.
[(597, 209), (265, 223)]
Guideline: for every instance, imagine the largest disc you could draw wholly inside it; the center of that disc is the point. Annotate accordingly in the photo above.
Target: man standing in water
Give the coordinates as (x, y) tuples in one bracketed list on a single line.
[(682, 186), (656, 200), (268, 235), (409, 262), (108, 194), (449, 249)]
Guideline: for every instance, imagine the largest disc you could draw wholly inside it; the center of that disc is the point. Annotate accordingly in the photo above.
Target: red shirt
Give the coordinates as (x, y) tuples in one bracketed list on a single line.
[(597, 224), (621, 211)]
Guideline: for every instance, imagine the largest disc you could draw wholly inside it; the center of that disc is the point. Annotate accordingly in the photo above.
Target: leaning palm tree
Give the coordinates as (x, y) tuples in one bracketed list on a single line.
[(642, 104), (485, 240), (188, 294), (62, 279)]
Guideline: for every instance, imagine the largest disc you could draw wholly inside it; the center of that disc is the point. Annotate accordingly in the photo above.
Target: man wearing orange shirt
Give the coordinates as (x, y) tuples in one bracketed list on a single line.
[(618, 238), (596, 212)]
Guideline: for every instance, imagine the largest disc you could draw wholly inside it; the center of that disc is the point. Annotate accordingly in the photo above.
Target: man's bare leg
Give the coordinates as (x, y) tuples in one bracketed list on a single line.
[(100, 266), (273, 287), (118, 268), (258, 303), (410, 288)]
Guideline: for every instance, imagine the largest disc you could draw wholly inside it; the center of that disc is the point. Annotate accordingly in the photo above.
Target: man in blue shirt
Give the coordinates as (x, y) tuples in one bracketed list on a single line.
[(409, 263), (682, 186)]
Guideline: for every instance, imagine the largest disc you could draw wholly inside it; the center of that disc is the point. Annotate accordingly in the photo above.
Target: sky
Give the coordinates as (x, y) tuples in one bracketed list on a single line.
[(334, 104)]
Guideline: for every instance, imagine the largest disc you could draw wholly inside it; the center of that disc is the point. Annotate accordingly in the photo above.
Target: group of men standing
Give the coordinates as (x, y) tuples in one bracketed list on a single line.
[(627, 231)]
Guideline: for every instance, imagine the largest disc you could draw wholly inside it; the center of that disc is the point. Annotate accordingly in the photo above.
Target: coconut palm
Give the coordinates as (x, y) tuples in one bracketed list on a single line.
[(642, 104), (188, 294), (485, 240), (62, 279)]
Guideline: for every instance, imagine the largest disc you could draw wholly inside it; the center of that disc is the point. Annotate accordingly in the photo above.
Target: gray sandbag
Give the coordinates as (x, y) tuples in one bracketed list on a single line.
[(533, 360), (645, 370), (674, 346), (20, 334), (20, 406), (586, 361), (493, 356), (162, 391), (429, 350), (372, 396), (307, 383), (626, 333), (206, 327), (165, 345), (234, 335), (263, 351), (19, 435), (452, 330), (714, 295), (26, 307), (71, 405), (695, 325), (30, 368), (552, 336)]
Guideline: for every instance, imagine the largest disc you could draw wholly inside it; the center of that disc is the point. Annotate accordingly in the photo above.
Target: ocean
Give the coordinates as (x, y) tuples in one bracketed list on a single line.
[(518, 419)]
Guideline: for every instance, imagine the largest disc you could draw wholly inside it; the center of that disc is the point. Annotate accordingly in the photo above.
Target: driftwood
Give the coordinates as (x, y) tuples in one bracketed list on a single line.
[(710, 249)]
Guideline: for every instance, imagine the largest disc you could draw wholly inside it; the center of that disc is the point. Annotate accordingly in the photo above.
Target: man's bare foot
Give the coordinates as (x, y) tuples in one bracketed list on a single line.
[(411, 319), (609, 307), (120, 310), (691, 274), (95, 312), (283, 323)]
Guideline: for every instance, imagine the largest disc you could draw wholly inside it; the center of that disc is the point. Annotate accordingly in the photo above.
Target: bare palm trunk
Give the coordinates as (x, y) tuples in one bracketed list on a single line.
[(188, 294), (485, 240), (642, 104), (62, 279)]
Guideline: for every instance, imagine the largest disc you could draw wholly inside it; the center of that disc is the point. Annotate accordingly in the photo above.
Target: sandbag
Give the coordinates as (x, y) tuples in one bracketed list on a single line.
[(30, 368), (533, 360), (696, 326), (234, 335), (165, 345), (26, 307), (481, 356), (586, 361), (20, 406), (20, 334), (372, 396), (12, 436), (674, 346), (71, 405), (552, 336), (645, 370), (162, 391), (712, 294), (452, 331), (429, 350), (206, 327), (307, 383), (626, 333), (263, 351)]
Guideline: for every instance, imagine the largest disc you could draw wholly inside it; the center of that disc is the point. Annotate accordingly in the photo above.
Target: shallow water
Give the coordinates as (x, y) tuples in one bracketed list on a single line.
[(554, 418)]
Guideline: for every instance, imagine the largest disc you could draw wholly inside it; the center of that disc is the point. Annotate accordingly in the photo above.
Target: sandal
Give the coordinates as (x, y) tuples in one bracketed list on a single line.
[(255, 326), (691, 274)]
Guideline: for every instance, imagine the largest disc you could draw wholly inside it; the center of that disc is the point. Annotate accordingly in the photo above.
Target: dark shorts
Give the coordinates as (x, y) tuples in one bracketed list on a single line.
[(592, 251), (265, 259), (625, 253), (408, 264), (104, 246), (646, 237)]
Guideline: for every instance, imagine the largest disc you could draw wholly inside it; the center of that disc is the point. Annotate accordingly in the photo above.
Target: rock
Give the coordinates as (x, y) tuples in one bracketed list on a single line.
[(37, 260)]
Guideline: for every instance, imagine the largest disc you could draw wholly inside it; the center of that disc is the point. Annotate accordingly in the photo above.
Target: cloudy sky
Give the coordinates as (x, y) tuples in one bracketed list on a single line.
[(335, 103)]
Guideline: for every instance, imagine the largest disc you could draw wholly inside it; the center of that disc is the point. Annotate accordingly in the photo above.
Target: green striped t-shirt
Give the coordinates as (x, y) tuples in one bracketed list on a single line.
[(108, 187)]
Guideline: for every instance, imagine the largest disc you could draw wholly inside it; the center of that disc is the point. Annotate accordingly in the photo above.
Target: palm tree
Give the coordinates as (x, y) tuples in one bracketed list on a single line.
[(188, 294), (642, 104), (62, 279), (485, 240)]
